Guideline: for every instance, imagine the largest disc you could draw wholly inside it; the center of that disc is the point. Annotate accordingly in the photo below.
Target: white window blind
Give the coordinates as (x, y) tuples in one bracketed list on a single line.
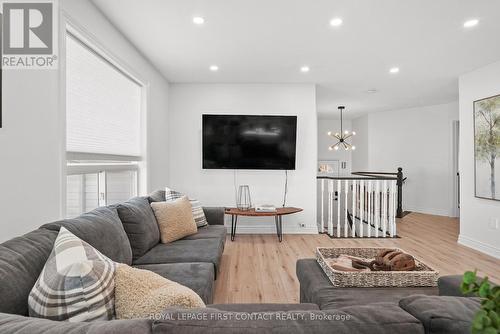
[(103, 105)]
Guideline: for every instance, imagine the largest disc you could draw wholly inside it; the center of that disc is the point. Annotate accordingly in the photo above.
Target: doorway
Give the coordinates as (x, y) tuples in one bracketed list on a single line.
[(455, 200)]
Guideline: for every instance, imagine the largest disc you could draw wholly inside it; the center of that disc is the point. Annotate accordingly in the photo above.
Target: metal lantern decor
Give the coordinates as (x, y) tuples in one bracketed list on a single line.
[(244, 200)]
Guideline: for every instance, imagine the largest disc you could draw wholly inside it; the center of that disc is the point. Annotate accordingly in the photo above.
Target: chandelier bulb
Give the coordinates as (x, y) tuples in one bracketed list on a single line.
[(329, 133), (353, 148), (336, 148), (330, 148), (346, 132), (353, 133)]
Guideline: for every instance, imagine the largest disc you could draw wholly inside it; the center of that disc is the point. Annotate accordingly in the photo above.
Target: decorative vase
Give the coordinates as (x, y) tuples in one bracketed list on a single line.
[(244, 200)]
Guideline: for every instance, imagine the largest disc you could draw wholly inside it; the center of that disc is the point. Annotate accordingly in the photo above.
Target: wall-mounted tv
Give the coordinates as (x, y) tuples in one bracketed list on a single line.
[(249, 142)]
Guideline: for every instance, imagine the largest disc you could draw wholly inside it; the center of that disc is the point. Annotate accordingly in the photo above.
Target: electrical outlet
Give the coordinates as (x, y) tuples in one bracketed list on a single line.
[(493, 225), (302, 225)]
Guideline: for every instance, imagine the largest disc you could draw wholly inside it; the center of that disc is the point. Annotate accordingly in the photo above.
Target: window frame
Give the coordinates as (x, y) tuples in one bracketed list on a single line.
[(76, 163)]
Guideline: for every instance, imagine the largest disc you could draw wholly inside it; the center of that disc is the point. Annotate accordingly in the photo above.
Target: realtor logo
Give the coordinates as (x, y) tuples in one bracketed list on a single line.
[(29, 35)]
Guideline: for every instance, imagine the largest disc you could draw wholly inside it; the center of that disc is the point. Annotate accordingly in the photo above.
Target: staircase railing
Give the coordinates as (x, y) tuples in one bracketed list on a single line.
[(365, 204)]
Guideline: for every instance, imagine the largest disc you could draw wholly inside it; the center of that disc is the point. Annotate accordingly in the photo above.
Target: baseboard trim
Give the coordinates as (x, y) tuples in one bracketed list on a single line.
[(430, 211), (272, 230), (479, 246)]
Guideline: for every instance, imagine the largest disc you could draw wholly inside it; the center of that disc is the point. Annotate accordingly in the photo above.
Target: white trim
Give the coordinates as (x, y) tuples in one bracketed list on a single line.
[(100, 157), (97, 168), (429, 211), (479, 246)]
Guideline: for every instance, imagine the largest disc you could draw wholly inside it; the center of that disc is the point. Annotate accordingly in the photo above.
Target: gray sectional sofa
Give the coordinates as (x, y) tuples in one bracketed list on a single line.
[(125, 234)]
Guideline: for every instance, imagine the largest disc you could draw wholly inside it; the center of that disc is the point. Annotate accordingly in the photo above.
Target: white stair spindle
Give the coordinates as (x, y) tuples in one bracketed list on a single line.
[(377, 207), (361, 206), (322, 205), (384, 209), (369, 215), (393, 213), (339, 193), (354, 191), (345, 207), (330, 207)]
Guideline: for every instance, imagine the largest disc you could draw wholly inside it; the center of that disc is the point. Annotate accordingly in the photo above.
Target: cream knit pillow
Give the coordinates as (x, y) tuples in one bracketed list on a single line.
[(144, 294), (175, 219)]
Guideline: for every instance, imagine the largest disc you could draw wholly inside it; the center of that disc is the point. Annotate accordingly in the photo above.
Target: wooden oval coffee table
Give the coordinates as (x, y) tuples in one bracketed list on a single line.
[(278, 214)]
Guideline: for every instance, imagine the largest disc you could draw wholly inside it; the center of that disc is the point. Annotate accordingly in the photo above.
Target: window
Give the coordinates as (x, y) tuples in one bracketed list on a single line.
[(103, 129)]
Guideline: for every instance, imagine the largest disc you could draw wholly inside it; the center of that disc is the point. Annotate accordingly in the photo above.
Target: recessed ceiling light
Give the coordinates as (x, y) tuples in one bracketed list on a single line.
[(371, 91), (198, 20), (471, 23), (214, 68), (305, 69), (394, 70), (336, 21)]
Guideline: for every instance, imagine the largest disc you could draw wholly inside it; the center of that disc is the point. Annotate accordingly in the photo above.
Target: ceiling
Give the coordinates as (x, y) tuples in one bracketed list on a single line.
[(267, 41)]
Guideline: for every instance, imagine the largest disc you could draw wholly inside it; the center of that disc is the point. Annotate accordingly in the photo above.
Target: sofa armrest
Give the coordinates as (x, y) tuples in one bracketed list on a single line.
[(214, 215), (450, 286), (10, 323)]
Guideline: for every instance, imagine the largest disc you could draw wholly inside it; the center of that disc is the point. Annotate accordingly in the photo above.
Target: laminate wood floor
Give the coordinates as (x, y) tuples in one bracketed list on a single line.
[(259, 269)]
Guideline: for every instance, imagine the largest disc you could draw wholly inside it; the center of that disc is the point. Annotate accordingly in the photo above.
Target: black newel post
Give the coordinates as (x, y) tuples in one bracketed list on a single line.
[(399, 183)]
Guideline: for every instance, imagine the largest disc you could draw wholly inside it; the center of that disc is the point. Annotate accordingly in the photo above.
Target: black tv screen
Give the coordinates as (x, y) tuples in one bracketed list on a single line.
[(249, 142)]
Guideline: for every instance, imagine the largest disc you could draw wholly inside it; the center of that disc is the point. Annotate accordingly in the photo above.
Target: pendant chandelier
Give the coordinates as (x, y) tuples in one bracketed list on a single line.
[(342, 136)]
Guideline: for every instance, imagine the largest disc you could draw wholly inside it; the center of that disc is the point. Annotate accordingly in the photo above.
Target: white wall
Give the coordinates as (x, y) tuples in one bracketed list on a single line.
[(420, 141), (360, 155), (32, 147), (216, 187), (476, 215), (31, 151), (325, 141)]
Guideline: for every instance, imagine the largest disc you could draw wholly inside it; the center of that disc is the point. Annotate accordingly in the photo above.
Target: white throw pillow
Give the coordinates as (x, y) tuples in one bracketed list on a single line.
[(76, 283)]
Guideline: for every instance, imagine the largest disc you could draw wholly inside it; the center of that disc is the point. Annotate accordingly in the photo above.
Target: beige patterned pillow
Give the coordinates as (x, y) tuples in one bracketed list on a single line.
[(144, 294), (175, 219)]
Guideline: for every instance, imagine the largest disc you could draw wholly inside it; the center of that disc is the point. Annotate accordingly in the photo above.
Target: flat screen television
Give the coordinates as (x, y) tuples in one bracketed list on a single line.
[(249, 142)]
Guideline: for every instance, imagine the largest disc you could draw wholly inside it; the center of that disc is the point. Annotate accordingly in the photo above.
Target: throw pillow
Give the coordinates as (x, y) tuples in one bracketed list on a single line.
[(140, 225), (143, 294), (198, 213), (175, 219), (76, 283)]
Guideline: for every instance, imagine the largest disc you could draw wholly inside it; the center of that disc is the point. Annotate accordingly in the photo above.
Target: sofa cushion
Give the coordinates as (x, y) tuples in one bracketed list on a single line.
[(157, 196), (209, 232), (378, 318), (76, 283), (450, 286), (21, 262), (102, 229), (185, 251), (443, 314), (199, 277), (264, 307), (315, 287), (23, 325), (140, 225)]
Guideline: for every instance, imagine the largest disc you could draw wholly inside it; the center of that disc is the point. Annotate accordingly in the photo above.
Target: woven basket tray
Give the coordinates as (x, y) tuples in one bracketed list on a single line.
[(423, 275)]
